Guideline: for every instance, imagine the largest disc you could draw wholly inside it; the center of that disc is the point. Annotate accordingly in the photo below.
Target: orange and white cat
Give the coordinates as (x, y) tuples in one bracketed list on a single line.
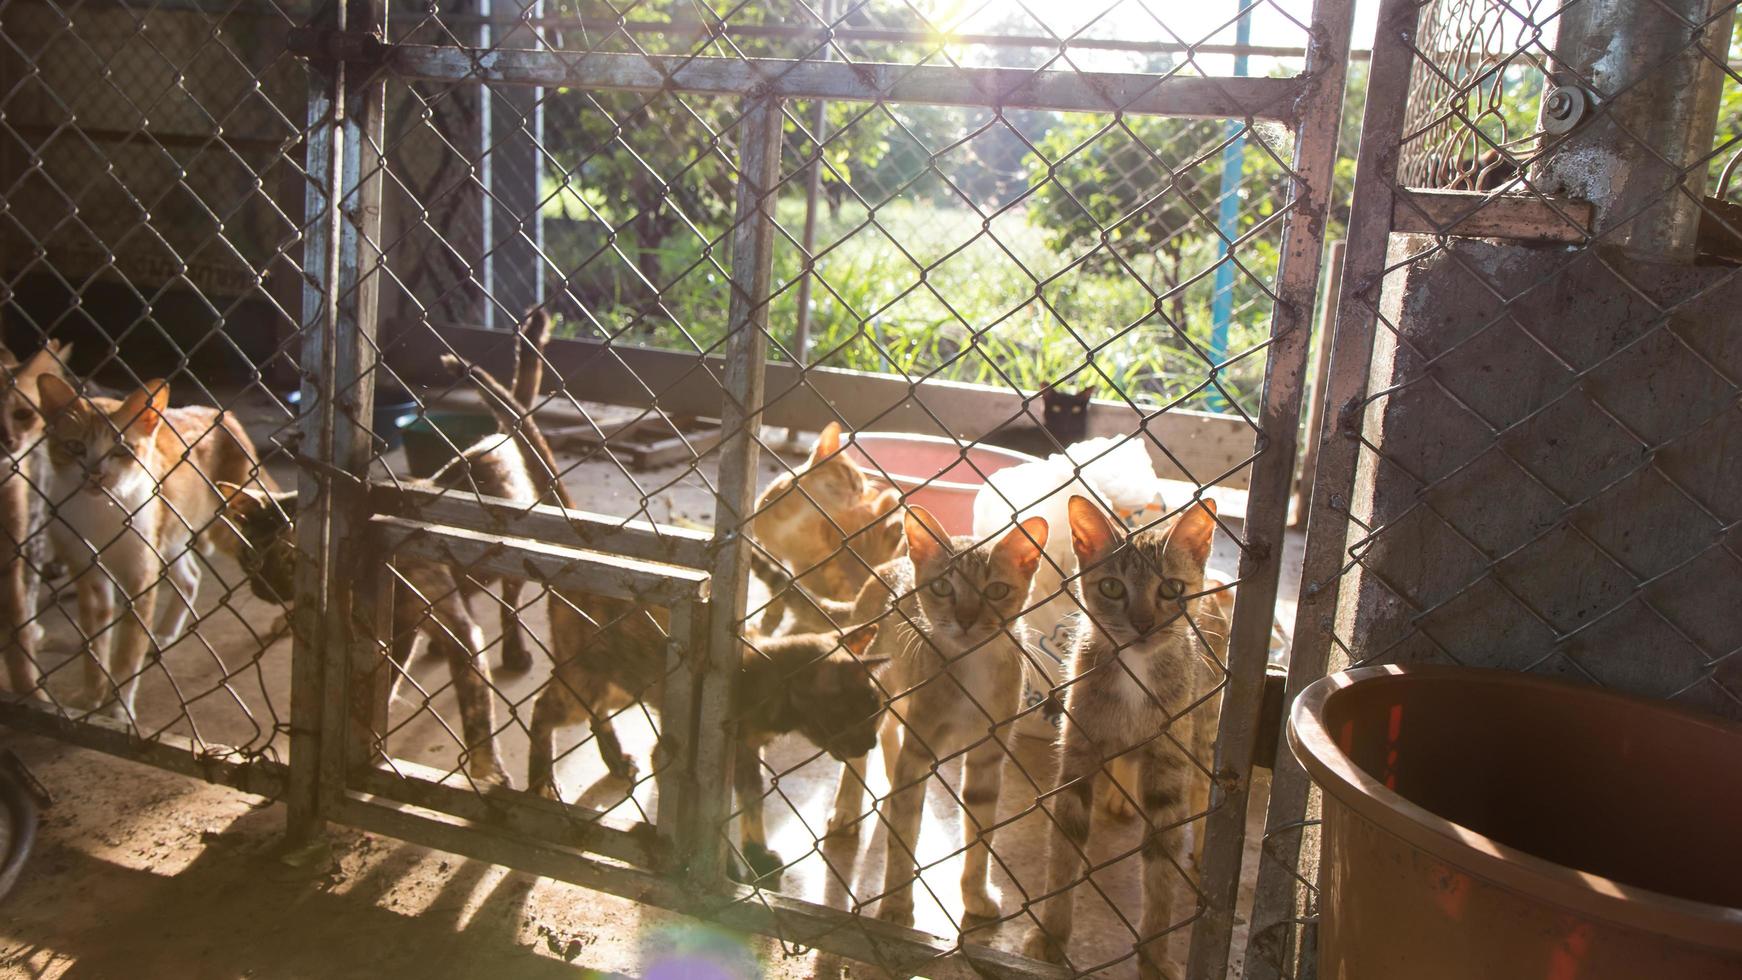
[(23, 543), (132, 484)]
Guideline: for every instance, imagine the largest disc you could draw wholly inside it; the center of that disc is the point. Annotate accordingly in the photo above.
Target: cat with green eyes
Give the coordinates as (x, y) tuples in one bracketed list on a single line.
[(1142, 682), (951, 613)]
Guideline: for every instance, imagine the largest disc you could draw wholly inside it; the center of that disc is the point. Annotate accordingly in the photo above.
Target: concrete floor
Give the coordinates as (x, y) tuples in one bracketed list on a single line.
[(128, 843)]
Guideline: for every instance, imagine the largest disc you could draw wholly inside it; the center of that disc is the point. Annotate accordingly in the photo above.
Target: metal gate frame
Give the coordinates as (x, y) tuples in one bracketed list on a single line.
[(350, 525)]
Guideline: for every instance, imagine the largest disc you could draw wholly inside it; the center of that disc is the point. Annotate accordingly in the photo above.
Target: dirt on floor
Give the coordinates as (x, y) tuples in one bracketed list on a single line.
[(141, 874)]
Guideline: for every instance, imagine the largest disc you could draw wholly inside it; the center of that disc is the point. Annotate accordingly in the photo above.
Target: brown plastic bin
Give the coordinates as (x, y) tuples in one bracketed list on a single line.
[(1485, 825)]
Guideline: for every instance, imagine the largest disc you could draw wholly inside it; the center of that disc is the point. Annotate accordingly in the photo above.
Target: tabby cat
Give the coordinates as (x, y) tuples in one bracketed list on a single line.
[(131, 486), (611, 653), (1136, 669), (431, 599), (826, 522), (952, 612), (22, 515)]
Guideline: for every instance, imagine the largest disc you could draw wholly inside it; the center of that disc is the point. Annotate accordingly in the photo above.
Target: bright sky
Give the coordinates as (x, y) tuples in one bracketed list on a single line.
[(1274, 22)]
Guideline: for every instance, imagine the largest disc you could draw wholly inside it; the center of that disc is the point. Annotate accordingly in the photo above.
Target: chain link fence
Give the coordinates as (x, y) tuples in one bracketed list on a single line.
[(153, 165), (1526, 452), (637, 443)]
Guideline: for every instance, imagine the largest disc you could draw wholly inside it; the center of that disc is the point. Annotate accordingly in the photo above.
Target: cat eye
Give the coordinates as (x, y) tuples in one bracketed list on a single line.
[(23, 414), (1112, 588), (73, 447), (1173, 588), (996, 591), (942, 586)]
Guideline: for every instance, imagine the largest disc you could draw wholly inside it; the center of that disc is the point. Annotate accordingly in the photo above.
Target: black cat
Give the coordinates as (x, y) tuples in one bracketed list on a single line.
[(1067, 422)]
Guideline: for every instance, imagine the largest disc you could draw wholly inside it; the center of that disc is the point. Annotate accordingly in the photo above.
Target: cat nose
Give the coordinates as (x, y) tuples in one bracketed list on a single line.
[(1142, 622)]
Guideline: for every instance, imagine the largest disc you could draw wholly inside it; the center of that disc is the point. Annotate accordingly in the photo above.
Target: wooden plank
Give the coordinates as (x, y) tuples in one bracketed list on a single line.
[(165, 750), (1203, 447), (487, 554), (899, 950), (1481, 214), (513, 811), (583, 530), (1061, 90)]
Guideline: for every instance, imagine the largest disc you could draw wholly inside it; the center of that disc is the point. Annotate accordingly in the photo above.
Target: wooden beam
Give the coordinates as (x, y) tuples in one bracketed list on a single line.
[(221, 764), (1061, 90), (899, 950), (583, 530), (481, 553), (1480, 214), (513, 811), (1202, 447)]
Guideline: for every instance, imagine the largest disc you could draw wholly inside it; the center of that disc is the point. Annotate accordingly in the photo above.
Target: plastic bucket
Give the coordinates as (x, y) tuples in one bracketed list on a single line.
[(1493, 824), (933, 472)]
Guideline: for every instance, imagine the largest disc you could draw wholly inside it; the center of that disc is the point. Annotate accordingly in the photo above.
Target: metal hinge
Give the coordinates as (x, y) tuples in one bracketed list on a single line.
[(325, 44)]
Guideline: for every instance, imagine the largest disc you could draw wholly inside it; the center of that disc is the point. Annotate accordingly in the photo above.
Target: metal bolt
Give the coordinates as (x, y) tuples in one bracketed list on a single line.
[(1562, 108)]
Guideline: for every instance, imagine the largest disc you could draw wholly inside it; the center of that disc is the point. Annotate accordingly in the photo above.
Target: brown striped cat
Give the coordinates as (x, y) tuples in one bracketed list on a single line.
[(1135, 673), (135, 506), (951, 611)]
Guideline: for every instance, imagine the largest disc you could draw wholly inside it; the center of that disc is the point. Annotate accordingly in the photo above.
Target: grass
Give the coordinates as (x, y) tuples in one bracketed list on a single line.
[(937, 291)]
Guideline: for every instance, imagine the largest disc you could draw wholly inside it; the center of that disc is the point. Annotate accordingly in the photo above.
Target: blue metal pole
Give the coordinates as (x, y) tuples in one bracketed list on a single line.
[(1228, 217)]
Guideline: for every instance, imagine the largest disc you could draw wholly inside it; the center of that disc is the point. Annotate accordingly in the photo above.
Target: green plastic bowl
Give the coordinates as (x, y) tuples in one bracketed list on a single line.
[(433, 438)]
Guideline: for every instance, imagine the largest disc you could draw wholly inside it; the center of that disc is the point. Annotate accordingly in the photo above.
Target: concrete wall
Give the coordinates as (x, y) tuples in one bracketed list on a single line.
[(1558, 476)]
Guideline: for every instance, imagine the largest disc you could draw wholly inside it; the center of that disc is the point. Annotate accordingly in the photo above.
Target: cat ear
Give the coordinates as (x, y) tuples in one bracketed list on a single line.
[(143, 410), (1024, 545), (927, 541), (239, 501), (1092, 532), (828, 443), (1196, 531), (859, 641), (47, 360), (56, 395)]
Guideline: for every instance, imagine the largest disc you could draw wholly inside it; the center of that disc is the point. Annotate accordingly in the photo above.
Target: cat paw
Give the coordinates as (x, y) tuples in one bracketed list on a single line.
[(1148, 969), (487, 768), (980, 903), (516, 658), (1116, 805), (765, 865), (843, 826), (546, 789), (897, 909), (1037, 945), (625, 769)]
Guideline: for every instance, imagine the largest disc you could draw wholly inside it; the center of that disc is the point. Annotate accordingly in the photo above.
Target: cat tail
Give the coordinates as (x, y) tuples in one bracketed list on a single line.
[(812, 613), (529, 356), (516, 420)]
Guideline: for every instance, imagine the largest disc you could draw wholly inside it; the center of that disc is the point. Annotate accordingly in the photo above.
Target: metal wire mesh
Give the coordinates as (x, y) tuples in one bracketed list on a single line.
[(153, 180), (1509, 486), (539, 272)]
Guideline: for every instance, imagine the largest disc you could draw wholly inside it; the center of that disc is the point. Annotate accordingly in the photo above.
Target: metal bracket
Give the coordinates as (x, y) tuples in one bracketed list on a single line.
[(1270, 718), (325, 44)]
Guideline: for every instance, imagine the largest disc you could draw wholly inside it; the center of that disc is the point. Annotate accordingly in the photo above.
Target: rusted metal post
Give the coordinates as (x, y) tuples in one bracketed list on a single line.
[(708, 803), (340, 260), (1648, 97), (1315, 409), (813, 186), (1351, 339), (1320, 114)]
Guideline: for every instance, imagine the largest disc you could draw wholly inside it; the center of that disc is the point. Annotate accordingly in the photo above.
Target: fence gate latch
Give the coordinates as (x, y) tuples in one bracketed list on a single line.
[(325, 44), (1270, 712)]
